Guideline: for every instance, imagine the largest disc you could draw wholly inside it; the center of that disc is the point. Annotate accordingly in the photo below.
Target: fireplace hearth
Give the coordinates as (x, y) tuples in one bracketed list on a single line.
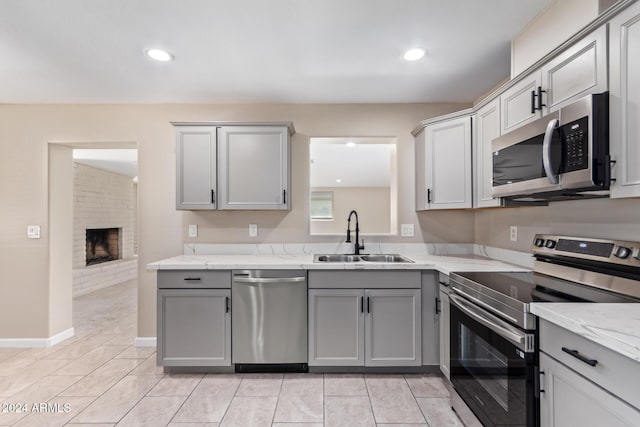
[(103, 245)]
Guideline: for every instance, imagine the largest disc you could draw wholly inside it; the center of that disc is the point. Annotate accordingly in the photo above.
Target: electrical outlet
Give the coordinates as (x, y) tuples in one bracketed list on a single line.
[(33, 231), (193, 230), (513, 233), (253, 230), (406, 230)]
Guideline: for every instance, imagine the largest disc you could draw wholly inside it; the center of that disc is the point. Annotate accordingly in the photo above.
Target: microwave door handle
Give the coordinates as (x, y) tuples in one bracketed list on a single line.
[(546, 151)]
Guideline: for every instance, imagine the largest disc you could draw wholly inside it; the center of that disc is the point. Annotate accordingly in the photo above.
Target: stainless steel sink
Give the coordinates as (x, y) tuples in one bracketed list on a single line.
[(361, 258), (337, 258), (385, 258)]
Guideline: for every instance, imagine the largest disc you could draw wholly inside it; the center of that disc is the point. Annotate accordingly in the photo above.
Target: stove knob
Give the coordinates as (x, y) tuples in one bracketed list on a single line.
[(622, 252), (550, 244), (539, 242)]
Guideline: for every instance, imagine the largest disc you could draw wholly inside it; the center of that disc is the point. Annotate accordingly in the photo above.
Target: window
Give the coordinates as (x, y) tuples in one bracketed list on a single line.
[(322, 205)]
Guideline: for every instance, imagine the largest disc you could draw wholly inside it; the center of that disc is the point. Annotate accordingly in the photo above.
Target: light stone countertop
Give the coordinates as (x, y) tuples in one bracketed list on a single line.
[(443, 263), (614, 326)]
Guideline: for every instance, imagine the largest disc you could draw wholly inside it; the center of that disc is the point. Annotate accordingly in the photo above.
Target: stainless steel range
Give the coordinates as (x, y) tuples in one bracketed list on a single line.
[(494, 335)]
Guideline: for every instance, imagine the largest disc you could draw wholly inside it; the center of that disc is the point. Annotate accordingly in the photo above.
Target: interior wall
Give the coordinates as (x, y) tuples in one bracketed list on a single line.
[(373, 205), (598, 218), (557, 23), (26, 130)]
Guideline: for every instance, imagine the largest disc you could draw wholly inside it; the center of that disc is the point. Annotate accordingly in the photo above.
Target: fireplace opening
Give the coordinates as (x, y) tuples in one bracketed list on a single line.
[(103, 245)]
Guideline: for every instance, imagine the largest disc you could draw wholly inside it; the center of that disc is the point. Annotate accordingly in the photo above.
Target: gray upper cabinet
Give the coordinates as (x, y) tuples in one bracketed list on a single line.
[(194, 327), (517, 103), (195, 167), (569, 399), (336, 327), (443, 165), (225, 165), (486, 127), (578, 71), (253, 167), (624, 101), (392, 327)]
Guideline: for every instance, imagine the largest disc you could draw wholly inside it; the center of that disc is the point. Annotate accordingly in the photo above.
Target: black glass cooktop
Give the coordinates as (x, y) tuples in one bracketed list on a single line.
[(529, 287)]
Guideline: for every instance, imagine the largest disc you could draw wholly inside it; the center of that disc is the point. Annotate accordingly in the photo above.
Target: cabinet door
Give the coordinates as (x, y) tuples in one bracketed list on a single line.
[(515, 103), (569, 399), (195, 167), (486, 128), (576, 72), (445, 337), (447, 157), (430, 319), (392, 327), (336, 327), (254, 167), (194, 327), (624, 67)]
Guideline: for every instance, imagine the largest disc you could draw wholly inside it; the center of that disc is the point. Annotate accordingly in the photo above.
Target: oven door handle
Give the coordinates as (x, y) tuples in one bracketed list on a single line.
[(496, 325), (483, 304), (546, 151)]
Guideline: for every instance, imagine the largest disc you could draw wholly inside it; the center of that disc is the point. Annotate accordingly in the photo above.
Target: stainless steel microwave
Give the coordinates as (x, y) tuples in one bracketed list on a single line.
[(564, 155)]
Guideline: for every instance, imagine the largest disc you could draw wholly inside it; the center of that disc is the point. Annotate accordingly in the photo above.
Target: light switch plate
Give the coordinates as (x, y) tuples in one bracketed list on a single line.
[(406, 230), (193, 230), (253, 230), (513, 233), (33, 231)]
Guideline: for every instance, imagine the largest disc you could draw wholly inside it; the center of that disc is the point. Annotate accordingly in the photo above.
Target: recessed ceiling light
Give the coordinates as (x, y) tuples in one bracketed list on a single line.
[(350, 144), (159, 55), (414, 54), (338, 180)]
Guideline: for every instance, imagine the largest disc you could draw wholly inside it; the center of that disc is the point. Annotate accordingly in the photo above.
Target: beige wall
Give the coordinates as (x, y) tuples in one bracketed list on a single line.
[(26, 130), (561, 20), (373, 205), (604, 218)]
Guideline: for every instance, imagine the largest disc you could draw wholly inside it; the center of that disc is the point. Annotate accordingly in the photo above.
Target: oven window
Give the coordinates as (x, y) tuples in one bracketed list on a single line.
[(486, 364)]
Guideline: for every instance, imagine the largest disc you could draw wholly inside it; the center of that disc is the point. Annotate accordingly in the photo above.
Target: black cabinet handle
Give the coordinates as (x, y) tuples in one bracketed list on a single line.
[(213, 197), (192, 279), (284, 197), (368, 307), (437, 305), (533, 101), (361, 304), (226, 304), (428, 195), (540, 92), (580, 357)]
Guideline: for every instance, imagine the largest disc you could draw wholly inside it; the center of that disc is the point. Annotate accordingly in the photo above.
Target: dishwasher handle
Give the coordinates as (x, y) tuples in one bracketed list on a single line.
[(269, 279)]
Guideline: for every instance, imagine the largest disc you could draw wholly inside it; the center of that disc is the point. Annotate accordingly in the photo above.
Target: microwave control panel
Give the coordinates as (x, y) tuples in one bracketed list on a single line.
[(575, 136)]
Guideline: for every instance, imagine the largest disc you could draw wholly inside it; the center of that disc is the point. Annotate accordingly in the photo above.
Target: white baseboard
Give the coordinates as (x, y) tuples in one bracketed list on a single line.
[(146, 341), (36, 342)]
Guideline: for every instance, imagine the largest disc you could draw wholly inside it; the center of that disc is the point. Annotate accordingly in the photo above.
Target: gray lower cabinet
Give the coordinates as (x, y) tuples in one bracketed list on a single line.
[(370, 327), (445, 326), (194, 327), (431, 307), (336, 327), (569, 399)]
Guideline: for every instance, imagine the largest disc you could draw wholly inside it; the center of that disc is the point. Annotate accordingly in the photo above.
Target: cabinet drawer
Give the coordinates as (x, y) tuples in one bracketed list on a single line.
[(372, 279), (613, 372), (194, 279)]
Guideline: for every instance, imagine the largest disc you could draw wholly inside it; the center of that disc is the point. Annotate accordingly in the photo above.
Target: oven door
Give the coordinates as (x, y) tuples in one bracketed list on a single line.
[(492, 366)]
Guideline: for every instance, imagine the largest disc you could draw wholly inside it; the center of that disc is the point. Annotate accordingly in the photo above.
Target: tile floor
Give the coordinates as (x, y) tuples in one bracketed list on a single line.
[(99, 378)]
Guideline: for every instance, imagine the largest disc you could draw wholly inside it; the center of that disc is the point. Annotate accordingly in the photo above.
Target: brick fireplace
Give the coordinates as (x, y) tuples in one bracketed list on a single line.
[(102, 245)]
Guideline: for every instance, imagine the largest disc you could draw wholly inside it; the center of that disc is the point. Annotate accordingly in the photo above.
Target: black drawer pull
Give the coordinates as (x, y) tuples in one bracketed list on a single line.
[(361, 304), (213, 197), (193, 279), (580, 357), (226, 304)]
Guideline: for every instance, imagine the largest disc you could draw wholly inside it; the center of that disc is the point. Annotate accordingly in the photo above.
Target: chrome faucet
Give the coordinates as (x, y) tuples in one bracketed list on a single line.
[(357, 246)]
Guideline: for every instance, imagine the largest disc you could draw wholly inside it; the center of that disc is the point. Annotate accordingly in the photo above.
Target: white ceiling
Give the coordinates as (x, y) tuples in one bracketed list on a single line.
[(122, 161), (308, 51), (366, 164)]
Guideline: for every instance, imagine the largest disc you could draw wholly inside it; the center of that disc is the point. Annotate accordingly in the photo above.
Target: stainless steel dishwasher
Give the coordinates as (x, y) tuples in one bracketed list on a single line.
[(269, 320)]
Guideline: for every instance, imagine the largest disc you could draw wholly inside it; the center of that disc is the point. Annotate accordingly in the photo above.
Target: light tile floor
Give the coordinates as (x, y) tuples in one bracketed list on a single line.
[(99, 378)]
